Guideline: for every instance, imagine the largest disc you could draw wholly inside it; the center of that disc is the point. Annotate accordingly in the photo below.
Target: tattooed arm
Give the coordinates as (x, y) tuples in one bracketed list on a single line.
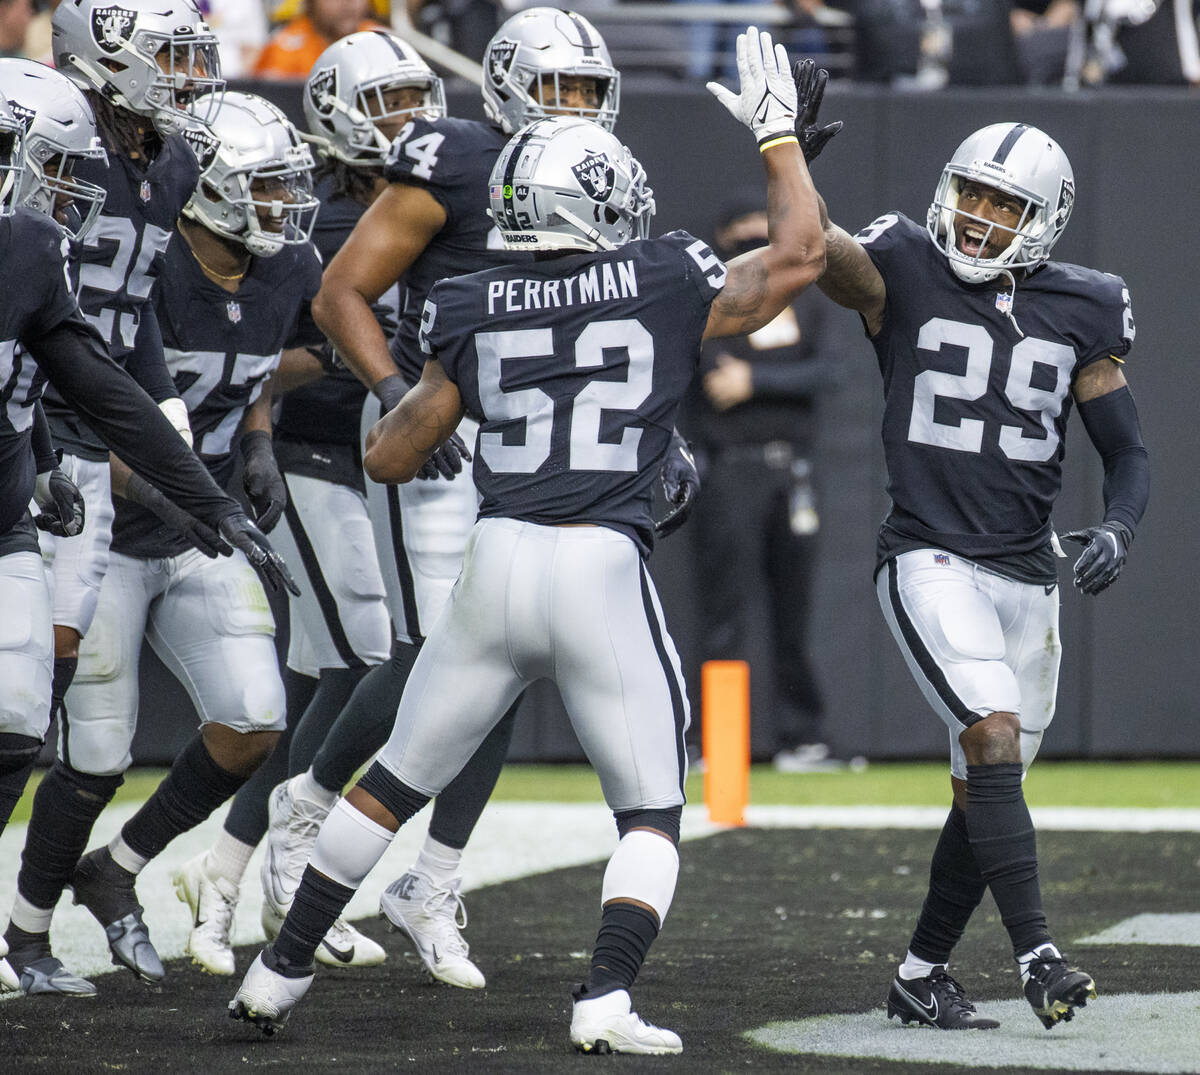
[(407, 435), (760, 284), (851, 278)]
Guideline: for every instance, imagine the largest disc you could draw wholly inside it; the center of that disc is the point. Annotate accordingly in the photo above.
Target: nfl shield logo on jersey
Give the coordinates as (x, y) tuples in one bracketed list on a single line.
[(596, 175), (144, 190), (499, 60), (234, 310), (941, 559), (111, 27), (1004, 301)]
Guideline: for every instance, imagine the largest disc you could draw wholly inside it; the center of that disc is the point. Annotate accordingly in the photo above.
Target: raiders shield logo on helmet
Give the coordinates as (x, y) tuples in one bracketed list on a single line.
[(596, 175), (25, 115), (112, 27), (500, 59), (322, 89), (203, 144), (1066, 200)]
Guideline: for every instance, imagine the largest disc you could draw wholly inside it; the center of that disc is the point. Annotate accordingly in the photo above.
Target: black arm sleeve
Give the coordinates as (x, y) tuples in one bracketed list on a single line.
[(1112, 424), (72, 355), (45, 457), (146, 363), (794, 380)]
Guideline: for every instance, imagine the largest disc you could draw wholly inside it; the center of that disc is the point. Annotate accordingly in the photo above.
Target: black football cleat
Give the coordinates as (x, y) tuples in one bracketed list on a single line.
[(1053, 989), (106, 890), (937, 1001)]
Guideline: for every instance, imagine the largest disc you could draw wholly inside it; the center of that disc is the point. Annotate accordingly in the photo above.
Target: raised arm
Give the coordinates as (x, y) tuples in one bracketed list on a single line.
[(760, 284), (850, 276)]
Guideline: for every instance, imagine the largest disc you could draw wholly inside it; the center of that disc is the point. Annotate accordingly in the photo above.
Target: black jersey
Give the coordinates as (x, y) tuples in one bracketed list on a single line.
[(38, 296), (452, 159), (975, 412), (219, 348), (122, 256), (574, 367)]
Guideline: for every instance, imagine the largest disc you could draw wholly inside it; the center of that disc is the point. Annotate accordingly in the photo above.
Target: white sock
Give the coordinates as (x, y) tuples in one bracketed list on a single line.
[(914, 967), (30, 918), (227, 858), (440, 862), (305, 786), (348, 845), (125, 856)]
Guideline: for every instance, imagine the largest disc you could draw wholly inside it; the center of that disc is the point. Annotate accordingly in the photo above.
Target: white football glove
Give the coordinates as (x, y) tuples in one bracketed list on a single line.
[(766, 99)]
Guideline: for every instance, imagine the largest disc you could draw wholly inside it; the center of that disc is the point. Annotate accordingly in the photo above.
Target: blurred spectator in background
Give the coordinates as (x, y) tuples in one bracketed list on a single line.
[(1153, 41), (15, 17), (751, 416), (465, 25), (281, 11), (292, 50), (241, 29), (1042, 30)]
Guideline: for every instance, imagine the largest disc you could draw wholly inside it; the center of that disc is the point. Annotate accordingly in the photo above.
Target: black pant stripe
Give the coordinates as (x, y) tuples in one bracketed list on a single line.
[(678, 709), (408, 591), (324, 596), (925, 661)]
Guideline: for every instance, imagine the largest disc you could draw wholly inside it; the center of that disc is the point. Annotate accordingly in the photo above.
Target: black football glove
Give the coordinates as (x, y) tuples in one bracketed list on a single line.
[(446, 461), (1105, 548), (60, 503), (810, 89), (261, 479), (242, 534), (200, 535), (681, 485)]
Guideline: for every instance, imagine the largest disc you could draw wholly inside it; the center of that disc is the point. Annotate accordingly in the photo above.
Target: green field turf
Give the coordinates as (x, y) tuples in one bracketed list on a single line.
[(1160, 784)]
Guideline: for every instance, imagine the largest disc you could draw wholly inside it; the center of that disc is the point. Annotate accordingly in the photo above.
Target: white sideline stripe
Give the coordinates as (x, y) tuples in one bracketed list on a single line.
[(1181, 929), (512, 840), (1124, 1032)]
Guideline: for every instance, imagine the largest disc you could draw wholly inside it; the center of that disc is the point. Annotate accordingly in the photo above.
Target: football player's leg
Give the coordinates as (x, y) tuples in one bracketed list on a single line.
[(95, 734), (621, 682)]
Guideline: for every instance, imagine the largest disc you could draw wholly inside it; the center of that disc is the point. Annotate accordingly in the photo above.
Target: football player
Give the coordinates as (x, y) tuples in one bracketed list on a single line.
[(554, 583), (984, 344), (233, 293), (139, 64), (42, 316), (431, 222)]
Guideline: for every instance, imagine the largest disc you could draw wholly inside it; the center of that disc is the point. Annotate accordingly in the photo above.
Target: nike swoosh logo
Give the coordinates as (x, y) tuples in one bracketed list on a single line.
[(340, 956), (930, 1009), (763, 110), (1051, 588)]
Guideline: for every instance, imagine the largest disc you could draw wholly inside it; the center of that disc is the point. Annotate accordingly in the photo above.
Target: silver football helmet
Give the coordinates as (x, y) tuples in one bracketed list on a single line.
[(11, 166), (566, 184), (1019, 160), (256, 180), (59, 131), (345, 96), (150, 56), (539, 42)]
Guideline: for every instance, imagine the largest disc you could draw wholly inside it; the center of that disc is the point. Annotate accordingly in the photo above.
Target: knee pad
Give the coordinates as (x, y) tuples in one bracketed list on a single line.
[(90, 786), (664, 821), (644, 867)]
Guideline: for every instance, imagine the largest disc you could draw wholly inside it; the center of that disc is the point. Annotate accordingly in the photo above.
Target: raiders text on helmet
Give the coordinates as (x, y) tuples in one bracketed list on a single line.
[(59, 130), (344, 97), (11, 167), (149, 56), (565, 184), (258, 165), (545, 41), (1019, 160)]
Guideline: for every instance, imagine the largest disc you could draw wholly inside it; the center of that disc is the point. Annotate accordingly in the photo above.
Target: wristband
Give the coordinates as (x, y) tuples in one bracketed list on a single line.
[(778, 140)]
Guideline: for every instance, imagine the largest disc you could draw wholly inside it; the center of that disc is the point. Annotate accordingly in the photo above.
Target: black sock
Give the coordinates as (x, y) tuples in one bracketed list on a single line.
[(1005, 848), (626, 933), (366, 721), (334, 691), (955, 888), (17, 755), (457, 808), (318, 903), (65, 807), (64, 672), (193, 789)]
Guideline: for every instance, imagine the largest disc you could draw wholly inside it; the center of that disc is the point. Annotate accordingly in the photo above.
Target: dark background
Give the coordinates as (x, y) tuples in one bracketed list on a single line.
[(1131, 666)]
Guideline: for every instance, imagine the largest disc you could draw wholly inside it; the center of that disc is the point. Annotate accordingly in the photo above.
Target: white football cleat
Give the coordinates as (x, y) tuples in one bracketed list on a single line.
[(343, 945), (432, 918), (606, 1024), (212, 904), (294, 824), (9, 982), (266, 998)]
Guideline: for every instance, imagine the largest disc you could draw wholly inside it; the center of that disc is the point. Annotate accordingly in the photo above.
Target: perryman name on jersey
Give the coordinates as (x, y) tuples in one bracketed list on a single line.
[(605, 282)]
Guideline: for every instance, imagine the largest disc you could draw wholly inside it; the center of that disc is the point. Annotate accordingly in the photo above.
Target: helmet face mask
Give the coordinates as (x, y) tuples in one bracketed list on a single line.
[(152, 57), (256, 183), (529, 58), (566, 184), (11, 166), (1029, 167), (355, 100), (59, 131)]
